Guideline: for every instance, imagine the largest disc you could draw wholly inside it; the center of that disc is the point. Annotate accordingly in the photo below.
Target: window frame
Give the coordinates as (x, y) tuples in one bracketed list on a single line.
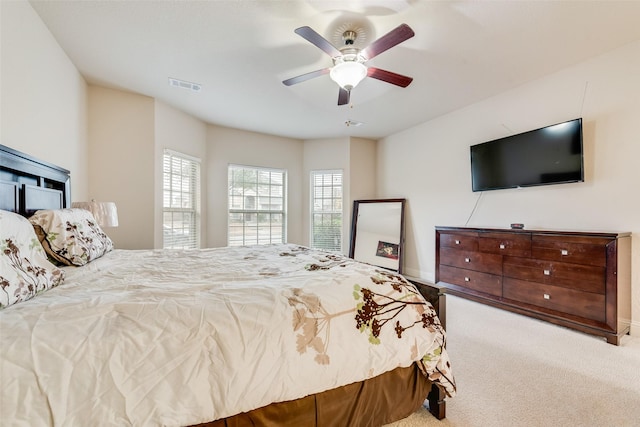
[(312, 209), (231, 210), (194, 192)]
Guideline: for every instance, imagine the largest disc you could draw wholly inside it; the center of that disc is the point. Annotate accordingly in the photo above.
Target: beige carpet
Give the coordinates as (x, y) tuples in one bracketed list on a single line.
[(515, 371)]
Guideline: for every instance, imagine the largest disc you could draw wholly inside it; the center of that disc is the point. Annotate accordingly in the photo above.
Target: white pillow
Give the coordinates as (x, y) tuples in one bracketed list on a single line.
[(24, 268), (71, 236)]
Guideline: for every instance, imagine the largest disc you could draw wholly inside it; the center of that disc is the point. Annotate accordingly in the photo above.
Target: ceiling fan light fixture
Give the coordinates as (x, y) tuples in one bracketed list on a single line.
[(348, 74)]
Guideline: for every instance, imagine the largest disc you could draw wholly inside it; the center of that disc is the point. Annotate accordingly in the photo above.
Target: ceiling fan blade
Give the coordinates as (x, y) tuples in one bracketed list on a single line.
[(389, 77), (389, 40), (304, 77), (343, 96), (313, 37)]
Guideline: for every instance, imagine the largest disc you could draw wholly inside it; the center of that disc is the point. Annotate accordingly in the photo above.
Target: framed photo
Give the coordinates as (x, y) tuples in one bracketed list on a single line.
[(387, 250)]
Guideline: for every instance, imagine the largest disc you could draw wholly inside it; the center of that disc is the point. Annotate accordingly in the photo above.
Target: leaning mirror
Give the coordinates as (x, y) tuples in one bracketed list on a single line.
[(377, 232)]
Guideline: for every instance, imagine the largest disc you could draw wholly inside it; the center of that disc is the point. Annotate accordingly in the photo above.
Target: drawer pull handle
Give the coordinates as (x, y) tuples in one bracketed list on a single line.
[(547, 296), (564, 252), (501, 245), (467, 260), (547, 272), (457, 242), (466, 279)]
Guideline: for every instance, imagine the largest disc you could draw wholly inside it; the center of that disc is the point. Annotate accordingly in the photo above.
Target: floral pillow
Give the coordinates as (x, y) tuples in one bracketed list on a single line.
[(70, 236), (24, 268)]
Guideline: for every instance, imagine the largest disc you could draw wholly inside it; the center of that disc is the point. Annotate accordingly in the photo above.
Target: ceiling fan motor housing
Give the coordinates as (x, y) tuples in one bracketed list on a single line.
[(349, 37)]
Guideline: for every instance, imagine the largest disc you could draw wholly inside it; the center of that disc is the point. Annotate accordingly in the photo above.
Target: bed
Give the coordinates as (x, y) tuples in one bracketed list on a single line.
[(260, 335)]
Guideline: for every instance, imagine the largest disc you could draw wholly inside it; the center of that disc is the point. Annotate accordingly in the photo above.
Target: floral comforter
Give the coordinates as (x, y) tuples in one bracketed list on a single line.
[(170, 337)]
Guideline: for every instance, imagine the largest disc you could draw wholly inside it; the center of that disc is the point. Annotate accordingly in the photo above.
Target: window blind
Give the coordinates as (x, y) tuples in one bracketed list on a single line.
[(181, 201), (326, 210)]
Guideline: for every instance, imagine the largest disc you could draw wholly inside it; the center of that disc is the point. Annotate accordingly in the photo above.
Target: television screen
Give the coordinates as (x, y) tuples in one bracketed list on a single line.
[(550, 155)]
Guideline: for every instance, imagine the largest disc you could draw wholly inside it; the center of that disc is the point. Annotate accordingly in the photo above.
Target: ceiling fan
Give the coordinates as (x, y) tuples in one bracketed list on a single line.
[(349, 67)]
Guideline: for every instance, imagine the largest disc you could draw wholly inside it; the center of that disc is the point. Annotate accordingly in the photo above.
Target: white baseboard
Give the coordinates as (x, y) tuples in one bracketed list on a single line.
[(419, 274), (635, 329)]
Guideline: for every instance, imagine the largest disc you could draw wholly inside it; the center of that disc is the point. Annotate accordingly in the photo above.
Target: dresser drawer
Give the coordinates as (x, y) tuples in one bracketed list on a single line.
[(478, 261), (575, 276), (506, 244), (574, 249), (582, 304), (475, 280), (460, 240)]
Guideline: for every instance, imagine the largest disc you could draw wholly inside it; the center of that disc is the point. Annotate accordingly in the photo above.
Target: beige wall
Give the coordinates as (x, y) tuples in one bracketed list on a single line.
[(185, 134), (43, 97), (121, 155), (361, 179), (435, 176), (232, 146), (362, 169)]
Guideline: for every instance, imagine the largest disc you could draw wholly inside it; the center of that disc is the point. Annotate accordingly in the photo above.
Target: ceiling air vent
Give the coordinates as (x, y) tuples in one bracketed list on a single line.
[(195, 87)]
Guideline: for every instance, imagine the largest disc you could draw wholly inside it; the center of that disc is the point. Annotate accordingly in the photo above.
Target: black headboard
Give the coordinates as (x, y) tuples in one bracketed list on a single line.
[(28, 184)]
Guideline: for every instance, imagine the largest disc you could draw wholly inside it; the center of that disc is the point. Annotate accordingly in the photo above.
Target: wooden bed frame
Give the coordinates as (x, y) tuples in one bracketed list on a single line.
[(28, 184)]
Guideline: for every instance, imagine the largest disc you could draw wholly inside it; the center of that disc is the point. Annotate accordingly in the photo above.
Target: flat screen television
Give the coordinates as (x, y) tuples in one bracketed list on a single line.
[(549, 155)]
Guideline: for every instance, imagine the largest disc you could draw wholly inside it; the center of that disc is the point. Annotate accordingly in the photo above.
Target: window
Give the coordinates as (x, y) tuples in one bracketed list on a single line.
[(326, 210), (181, 201), (256, 206)]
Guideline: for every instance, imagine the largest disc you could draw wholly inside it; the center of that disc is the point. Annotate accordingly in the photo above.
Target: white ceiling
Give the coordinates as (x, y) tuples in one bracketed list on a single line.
[(241, 50)]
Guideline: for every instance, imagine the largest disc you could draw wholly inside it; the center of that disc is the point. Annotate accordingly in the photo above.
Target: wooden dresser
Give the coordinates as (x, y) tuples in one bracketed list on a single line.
[(581, 280)]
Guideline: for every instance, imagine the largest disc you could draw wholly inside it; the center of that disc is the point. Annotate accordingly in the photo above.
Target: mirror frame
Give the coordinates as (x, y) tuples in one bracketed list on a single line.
[(400, 238)]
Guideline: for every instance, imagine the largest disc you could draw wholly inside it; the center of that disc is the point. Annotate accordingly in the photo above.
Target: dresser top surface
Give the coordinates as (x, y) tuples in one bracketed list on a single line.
[(595, 233)]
